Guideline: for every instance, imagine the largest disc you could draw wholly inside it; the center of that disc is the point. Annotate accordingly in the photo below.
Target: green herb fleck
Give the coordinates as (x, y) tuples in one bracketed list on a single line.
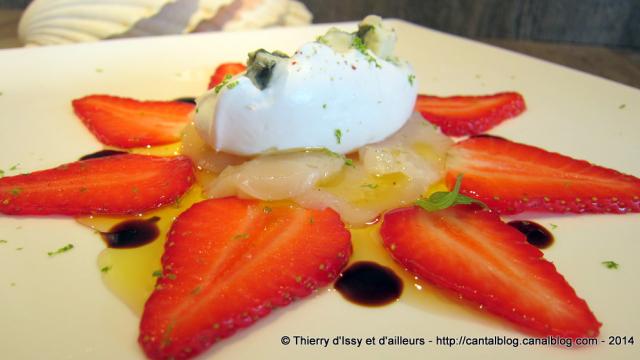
[(14, 167), (61, 250), (322, 40), (105, 269), (347, 161), (338, 135), (241, 236), (232, 85), (553, 226), (2, 241), (359, 45), (224, 83), (331, 153), (177, 203), (267, 209), (157, 273), (197, 110), (1, 173), (442, 199), (196, 290), (324, 106), (16, 191), (611, 264), (171, 276), (166, 339), (411, 79), (622, 106), (370, 186), (19, 248)]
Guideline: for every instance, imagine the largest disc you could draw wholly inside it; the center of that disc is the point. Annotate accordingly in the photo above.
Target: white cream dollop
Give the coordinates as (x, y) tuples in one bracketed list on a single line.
[(318, 98)]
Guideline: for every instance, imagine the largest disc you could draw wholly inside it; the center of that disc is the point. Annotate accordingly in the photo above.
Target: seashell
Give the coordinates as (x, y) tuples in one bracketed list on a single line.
[(180, 16), (49, 22), (255, 14)]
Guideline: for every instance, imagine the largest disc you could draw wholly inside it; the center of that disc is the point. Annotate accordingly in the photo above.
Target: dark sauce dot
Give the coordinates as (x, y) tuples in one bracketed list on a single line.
[(102, 153), (489, 136), (536, 234), (132, 233), (370, 284), (186, 99)]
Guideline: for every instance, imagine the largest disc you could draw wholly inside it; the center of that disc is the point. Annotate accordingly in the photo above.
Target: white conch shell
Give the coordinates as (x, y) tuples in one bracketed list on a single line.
[(179, 16), (49, 22), (64, 21), (255, 14)]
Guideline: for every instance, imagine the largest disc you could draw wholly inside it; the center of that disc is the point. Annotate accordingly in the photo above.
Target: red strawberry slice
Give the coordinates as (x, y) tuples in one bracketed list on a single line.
[(114, 185), (477, 256), (512, 178), (223, 70), (229, 262), (469, 115), (128, 123)]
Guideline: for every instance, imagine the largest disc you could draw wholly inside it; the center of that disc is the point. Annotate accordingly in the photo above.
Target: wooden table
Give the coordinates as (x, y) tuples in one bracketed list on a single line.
[(619, 65)]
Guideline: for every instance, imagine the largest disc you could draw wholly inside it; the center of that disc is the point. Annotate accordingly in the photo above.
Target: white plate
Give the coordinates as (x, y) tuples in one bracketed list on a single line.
[(58, 308)]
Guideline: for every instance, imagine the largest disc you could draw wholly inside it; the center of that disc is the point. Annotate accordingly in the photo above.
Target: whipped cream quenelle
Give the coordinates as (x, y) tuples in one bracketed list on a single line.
[(341, 92)]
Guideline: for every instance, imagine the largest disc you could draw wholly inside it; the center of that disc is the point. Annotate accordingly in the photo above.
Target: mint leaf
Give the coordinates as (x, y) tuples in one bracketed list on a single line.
[(443, 199)]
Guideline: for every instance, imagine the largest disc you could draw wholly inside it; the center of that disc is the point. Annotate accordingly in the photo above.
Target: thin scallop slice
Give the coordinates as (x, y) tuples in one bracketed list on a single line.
[(416, 149), (203, 156), (276, 177), (389, 174), (360, 197)]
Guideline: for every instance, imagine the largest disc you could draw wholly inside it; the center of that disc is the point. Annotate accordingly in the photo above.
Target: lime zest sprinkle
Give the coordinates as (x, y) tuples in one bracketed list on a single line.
[(241, 236), (63, 249), (338, 134), (359, 45), (224, 83)]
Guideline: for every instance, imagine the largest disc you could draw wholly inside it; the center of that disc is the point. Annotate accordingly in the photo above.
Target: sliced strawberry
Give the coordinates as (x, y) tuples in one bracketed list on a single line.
[(128, 123), (511, 178), (223, 70), (477, 256), (118, 184), (229, 262), (469, 115)]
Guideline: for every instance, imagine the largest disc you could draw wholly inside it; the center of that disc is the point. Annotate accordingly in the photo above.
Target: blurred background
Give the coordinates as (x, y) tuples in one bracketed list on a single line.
[(601, 37)]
